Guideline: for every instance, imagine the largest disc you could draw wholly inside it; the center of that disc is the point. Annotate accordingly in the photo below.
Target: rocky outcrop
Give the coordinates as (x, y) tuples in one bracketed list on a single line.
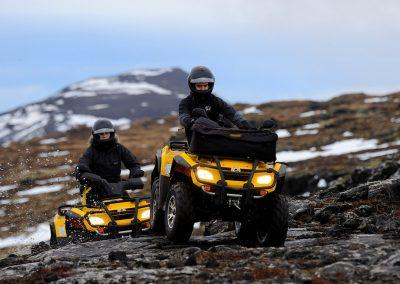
[(350, 234)]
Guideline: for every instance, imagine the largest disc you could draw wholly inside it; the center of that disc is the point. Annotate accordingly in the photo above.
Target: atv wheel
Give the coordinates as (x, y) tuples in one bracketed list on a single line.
[(156, 215), (53, 237), (178, 217), (245, 231), (273, 229)]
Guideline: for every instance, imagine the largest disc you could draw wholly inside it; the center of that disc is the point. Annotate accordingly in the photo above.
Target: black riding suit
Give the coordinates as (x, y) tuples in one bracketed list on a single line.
[(104, 159), (216, 109)]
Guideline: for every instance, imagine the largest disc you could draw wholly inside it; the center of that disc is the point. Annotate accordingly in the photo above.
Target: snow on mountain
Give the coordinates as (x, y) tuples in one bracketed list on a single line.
[(122, 98)]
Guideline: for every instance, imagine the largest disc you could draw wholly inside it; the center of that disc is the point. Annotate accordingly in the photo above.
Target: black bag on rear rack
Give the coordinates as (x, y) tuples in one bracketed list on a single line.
[(208, 138)]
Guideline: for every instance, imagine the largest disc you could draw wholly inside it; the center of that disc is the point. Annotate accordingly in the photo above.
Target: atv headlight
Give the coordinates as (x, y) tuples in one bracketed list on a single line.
[(145, 214), (204, 174), (96, 221), (265, 179)]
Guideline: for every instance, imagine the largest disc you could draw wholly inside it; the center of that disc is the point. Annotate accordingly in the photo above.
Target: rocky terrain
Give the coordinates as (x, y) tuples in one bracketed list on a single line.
[(349, 233), (342, 183)]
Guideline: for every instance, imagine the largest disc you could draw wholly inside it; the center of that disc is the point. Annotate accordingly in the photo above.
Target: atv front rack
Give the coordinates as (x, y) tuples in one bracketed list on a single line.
[(248, 189), (112, 227)]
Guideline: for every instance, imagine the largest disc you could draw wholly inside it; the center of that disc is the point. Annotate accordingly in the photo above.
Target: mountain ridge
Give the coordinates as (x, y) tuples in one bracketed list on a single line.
[(122, 98)]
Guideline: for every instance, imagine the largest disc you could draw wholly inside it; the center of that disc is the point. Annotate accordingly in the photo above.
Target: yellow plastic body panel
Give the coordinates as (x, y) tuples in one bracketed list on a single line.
[(235, 165), (59, 226)]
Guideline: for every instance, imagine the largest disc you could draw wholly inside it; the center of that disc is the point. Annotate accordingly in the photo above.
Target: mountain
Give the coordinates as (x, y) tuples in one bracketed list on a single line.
[(122, 98)]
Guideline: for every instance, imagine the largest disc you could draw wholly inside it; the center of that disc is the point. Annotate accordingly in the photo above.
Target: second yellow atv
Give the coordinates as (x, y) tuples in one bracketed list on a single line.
[(189, 185), (109, 217)]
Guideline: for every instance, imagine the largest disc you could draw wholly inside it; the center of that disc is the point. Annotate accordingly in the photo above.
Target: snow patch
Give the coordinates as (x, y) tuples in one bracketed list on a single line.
[(40, 234), (53, 180), (98, 107), (5, 132), (72, 202), (161, 121), (147, 168), (334, 149), (149, 72), (5, 188), (14, 201), (312, 113), (88, 120), (375, 100), (49, 108), (367, 156), (52, 141), (73, 191), (41, 190), (174, 129), (95, 86), (64, 167), (312, 126), (306, 194), (54, 154), (394, 120), (251, 109), (300, 132), (347, 134), (144, 104), (59, 102), (282, 133), (322, 183)]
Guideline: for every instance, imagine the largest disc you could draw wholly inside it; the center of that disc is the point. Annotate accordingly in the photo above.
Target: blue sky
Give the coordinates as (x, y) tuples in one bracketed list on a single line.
[(259, 50)]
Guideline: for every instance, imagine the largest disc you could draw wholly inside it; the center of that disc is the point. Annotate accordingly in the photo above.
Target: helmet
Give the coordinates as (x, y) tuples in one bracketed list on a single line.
[(102, 126), (201, 74)]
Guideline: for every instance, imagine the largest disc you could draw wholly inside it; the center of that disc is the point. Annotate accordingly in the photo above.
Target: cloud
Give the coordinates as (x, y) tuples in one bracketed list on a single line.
[(216, 16)]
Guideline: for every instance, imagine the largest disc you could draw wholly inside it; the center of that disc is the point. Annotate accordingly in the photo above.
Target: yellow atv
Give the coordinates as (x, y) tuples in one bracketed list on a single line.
[(242, 184), (108, 217)]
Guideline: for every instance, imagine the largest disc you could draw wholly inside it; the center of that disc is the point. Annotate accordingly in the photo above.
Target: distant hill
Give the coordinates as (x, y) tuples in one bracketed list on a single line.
[(123, 98)]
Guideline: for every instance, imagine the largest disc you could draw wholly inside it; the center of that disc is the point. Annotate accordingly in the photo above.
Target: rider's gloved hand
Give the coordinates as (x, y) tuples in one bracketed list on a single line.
[(246, 125), (135, 173), (270, 124), (106, 188), (199, 112)]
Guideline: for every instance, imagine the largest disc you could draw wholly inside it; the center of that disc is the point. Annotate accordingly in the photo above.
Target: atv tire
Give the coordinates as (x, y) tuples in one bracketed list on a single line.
[(179, 214), (273, 226), (53, 237), (245, 232), (156, 215)]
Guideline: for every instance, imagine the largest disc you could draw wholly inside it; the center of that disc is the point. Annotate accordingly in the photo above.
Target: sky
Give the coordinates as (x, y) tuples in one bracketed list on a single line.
[(259, 50)]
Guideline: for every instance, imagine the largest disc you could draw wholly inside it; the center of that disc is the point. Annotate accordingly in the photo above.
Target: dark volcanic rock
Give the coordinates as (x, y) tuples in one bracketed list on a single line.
[(364, 210), (338, 271), (384, 171), (356, 193), (330, 211), (117, 255), (360, 175)]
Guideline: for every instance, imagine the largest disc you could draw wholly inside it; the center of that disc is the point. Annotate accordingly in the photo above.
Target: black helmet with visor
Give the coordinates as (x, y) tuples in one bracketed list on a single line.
[(201, 75)]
